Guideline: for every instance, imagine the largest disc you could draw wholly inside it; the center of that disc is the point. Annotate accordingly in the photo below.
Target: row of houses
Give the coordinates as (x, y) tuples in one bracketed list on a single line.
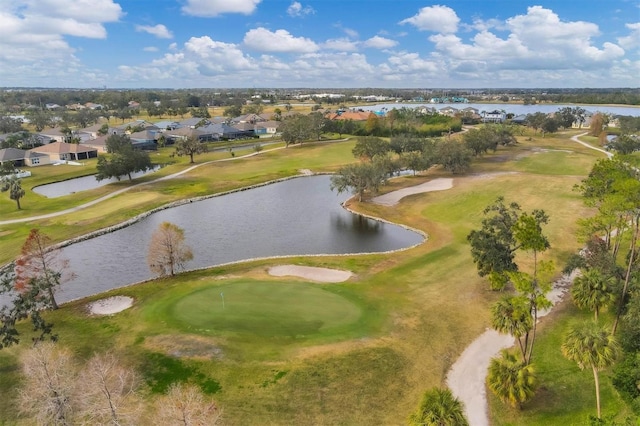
[(54, 146)]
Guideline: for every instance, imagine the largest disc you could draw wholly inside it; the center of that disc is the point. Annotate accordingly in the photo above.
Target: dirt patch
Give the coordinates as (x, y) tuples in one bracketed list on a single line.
[(324, 275), (185, 346), (110, 305)]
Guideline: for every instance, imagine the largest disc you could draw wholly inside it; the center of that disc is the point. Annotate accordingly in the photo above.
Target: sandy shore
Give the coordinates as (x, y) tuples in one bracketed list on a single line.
[(110, 305), (323, 275)]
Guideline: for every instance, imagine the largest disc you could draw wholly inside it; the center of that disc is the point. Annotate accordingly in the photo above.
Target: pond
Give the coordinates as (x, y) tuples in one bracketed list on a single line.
[(84, 183), (516, 109), (299, 216)]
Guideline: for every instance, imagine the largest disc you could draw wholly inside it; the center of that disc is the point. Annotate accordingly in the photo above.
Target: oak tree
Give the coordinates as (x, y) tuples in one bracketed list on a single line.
[(190, 146)]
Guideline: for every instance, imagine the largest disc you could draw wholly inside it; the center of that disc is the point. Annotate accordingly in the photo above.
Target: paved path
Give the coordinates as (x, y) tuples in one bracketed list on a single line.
[(575, 139), (468, 375)]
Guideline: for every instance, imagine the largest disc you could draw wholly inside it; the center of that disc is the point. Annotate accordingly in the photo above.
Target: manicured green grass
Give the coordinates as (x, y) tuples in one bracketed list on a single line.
[(262, 309)]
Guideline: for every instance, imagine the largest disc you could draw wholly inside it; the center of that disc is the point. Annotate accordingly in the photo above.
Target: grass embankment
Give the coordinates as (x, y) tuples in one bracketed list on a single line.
[(395, 329), (206, 179)]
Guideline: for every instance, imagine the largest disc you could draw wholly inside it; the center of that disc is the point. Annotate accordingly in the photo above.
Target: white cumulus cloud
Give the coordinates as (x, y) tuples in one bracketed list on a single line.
[(296, 10), (263, 40), (378, 42), (210, 8), (632, 41), (438, 19), (159, 30), (32, 37), (341, 44)]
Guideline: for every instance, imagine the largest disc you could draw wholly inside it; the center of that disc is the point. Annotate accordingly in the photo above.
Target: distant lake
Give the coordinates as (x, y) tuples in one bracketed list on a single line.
[(84, 183), (516, 109)]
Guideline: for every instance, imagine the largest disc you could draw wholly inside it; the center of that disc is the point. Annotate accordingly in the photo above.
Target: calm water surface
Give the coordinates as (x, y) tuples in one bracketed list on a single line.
[(516, 109), (298, 216), (71, 186)]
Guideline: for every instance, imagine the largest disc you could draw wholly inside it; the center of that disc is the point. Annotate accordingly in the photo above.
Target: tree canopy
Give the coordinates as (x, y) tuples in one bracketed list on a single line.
[(123, 160)]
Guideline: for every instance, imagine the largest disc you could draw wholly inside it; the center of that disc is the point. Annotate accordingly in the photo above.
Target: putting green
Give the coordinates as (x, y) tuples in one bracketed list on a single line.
[(266, 309)]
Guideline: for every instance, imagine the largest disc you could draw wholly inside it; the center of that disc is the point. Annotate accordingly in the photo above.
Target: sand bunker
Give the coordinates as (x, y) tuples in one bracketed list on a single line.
[(394, 197), (110, 305), (323, 275)]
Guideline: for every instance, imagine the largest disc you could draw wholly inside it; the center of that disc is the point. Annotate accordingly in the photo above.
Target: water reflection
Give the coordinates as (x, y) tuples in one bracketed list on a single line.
[(84, 183), (296, 217)]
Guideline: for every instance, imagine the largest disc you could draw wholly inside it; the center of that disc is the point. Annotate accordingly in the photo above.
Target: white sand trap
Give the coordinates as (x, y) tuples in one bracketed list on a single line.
[(324, 275), (110, 305), (393, 198)]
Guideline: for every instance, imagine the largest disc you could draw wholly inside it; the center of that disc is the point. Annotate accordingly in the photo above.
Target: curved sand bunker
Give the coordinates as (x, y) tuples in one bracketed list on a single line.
[(393, 198), (324, 275), (110, 305)]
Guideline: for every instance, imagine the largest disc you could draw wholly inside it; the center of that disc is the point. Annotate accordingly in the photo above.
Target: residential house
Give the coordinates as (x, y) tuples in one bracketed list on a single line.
[(193, 122), (54, 134), (174, 135), (21, 157), (449, 111), (470, 110), (248, 118), (267, 128), (91, 131), (61, 151), (167, 125), (350, 115), (494, 116), (99, 143), (146, 139), (224, 131)]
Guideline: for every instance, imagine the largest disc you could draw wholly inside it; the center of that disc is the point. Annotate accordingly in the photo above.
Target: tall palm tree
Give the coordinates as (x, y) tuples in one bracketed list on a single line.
[(439, 408), (511, 315), (591, 346), (14, 186), (592, 290), (512, 380)]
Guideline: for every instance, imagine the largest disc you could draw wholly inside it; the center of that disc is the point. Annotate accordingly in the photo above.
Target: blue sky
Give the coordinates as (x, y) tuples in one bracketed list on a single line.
[(319, 43)]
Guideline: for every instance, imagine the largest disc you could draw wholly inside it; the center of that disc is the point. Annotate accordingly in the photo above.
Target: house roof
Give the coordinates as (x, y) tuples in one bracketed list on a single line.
[(11, 154), (268, 124), (62, 148), (222, 129), (99, 141), (248, 118), (136, 123), (184, 132), (191, 122), (92, 129), (351, 115), (148, 135), (244, 126), (52, 132)]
